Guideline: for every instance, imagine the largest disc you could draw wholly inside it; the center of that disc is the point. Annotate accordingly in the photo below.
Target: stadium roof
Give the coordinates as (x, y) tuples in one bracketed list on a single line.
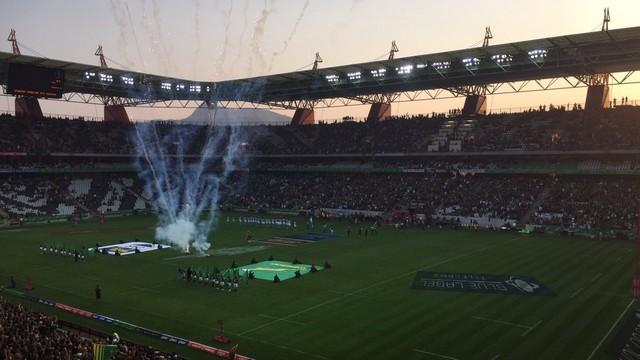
[(560, 56)]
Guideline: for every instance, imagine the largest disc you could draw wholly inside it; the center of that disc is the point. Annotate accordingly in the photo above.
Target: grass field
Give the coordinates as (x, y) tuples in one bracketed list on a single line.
[(362, 308)]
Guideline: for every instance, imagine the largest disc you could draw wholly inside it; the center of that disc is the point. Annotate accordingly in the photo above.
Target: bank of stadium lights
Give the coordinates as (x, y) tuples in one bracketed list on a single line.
[(471, 62), (422, 66), (404, 69), (106, 78), (502, 59), (194, 88), (126, 80), (356, 75), (537, 54), (378, 73), (333, 78), (165, 86), (441, 65), (89, 75), (179, 87)]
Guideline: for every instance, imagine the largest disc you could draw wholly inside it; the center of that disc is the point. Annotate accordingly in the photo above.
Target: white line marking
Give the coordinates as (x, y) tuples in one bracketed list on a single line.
[(575, 293), (532, 328), (331, 301), (596, 277), (180, 257), (611, 329), (277, 318), (434, 354), (284, 347), (133, 288), (614, 294), (502, 322), (346, 294), (495, 357), (273, 243)]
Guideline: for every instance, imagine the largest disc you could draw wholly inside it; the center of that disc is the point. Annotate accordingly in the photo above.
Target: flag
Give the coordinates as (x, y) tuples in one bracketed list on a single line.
[(233, 351), (104, 352)]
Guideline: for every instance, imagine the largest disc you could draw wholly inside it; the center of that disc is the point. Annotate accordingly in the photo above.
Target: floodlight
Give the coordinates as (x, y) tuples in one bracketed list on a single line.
[(106, 78), (404, 69), (127, 80)]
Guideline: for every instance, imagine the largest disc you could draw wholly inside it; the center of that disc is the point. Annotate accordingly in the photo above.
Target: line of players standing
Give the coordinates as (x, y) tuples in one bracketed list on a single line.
[(217, 280)]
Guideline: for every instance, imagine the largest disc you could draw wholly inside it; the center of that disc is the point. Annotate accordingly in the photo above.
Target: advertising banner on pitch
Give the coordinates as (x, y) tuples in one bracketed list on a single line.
[(482, 283)]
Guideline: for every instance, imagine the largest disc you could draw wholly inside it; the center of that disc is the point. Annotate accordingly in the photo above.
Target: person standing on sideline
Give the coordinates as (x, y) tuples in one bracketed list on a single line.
[(98, 292)]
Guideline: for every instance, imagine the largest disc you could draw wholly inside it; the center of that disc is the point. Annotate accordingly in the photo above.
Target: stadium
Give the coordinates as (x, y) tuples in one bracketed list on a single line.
[(449, 202)]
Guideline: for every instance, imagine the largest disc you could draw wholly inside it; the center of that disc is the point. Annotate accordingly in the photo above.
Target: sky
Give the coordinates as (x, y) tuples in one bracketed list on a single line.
[(210, 40)]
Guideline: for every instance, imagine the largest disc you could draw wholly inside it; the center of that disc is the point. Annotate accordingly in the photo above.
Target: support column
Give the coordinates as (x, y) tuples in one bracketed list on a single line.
[(379, 112), (115, 113), (598, 97), (303, 117), (475, 105), (28, 108)]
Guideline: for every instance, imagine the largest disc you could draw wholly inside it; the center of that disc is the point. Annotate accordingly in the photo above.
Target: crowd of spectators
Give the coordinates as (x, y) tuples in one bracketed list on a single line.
[(584, 202), (25, 195), (577, 201), (555, 128), (25, 334), (589, 202)]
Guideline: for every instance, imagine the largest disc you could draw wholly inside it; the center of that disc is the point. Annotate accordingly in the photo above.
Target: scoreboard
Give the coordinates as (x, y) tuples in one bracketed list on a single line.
[(29, 80)]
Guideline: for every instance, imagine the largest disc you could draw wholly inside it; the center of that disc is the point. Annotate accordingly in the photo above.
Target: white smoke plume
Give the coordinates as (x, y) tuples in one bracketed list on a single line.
[(225, 43), (292, 33), (119, 16), (196, 26), (135, 37), (245, 21), (256, 38), (186, 194)]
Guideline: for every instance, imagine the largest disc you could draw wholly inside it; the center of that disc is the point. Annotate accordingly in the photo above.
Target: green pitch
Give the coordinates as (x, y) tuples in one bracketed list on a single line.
[(364, 307), (266, 270)]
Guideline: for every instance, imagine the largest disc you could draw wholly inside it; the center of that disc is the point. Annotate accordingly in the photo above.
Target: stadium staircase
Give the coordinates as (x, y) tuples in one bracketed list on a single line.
[(451, 135), (540, 198), (77, 189), (134, 201)]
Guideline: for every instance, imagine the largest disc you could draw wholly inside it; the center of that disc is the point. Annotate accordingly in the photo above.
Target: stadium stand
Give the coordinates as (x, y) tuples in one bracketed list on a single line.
[(539, 129), (61, 170)]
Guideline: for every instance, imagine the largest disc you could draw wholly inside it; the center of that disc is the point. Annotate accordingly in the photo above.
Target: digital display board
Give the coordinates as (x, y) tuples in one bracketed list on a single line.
[(29, 80)]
